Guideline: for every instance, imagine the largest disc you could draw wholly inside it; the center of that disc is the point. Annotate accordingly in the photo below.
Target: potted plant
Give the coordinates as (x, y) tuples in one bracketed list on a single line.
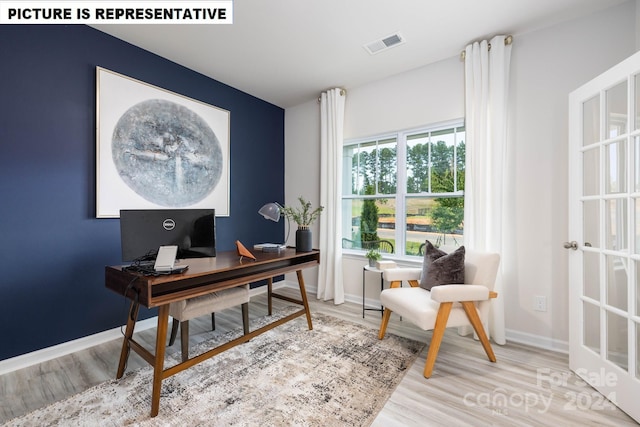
[(373, 256), (304, 216)]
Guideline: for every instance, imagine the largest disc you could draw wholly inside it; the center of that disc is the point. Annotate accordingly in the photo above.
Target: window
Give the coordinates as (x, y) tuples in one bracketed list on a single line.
[(404, 188)]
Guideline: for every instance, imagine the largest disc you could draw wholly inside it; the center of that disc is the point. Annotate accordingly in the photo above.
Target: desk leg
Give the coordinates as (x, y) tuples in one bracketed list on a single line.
[(269, 293), (305, 302), (158, 366), (131, 323)]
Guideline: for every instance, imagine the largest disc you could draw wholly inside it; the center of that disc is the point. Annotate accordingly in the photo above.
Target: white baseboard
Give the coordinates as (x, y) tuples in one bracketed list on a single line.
[(53, 352), (49, 353), (537, 341), (511, 335)]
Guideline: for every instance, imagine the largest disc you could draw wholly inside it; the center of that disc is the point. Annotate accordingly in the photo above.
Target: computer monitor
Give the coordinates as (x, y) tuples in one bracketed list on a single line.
[(142, 232)]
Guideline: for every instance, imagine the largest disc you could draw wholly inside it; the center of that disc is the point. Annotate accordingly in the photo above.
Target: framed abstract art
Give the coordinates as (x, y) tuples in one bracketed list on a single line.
[(157, 149)]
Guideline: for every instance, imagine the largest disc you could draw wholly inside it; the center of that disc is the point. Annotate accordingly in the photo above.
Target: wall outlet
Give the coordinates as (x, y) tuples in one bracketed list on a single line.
[(540, 303)]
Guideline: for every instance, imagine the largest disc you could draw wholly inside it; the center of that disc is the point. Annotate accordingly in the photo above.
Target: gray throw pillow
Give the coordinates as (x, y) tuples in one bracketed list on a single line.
[(440, 268)]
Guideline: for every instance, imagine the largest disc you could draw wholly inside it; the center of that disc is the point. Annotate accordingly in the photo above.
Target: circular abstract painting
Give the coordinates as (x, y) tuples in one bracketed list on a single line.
[(166, 153)]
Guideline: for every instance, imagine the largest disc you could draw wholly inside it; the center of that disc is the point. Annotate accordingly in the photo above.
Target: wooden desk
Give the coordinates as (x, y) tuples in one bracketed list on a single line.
[(204, 276)]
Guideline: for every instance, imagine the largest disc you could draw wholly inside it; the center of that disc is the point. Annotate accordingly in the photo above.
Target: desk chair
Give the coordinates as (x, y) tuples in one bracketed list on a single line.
[(443, 306), (183, 311)]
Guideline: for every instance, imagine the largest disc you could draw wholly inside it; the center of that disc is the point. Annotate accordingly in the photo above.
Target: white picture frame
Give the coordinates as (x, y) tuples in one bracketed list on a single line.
[(156, 149)]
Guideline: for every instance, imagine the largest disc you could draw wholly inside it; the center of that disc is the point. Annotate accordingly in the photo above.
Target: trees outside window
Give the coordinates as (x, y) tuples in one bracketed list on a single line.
[(369, 220), (405, 188)]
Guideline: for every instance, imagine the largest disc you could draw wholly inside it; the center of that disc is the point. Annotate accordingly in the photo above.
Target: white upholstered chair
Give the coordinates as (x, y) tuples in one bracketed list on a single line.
[(183, 311), (443, 306)]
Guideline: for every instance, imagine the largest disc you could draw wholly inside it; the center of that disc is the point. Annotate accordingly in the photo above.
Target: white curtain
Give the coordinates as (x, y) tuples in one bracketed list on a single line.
[(488, 201), (330, 284)]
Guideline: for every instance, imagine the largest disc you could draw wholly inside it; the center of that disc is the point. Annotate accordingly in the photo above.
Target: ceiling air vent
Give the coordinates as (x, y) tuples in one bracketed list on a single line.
[(384, 43)]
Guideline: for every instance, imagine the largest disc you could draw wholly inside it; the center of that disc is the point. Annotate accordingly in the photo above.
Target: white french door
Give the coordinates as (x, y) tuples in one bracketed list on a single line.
[(604, 225)]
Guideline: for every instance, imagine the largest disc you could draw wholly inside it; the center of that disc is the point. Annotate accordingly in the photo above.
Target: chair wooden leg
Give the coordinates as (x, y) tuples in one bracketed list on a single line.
[(436, 338), (213, 321), (184, 340), (472, 314), (395, 284), (174, 331), (384, 323), (245, 317)]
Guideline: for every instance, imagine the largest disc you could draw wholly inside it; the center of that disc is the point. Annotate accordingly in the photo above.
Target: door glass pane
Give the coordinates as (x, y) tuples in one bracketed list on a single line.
[(637, 288), (591, 172), (616, 224), (591, 218), (616, 112), (616, 167), (591, 331), (591, 275), (636, 163), (636, 203), (591, 121), (617, 282), (637, 350), (637, 101), (617, 347)]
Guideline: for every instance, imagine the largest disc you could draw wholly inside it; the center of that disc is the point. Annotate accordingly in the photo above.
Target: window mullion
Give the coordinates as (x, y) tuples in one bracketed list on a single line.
[(429, 163), (455, 161), (401, 191)]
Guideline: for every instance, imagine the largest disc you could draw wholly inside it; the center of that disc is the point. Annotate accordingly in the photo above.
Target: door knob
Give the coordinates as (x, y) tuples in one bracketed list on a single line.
[(571, 245)]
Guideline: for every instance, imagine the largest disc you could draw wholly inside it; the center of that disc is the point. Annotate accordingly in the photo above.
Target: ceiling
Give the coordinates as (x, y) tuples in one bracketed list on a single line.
[(288, 51)]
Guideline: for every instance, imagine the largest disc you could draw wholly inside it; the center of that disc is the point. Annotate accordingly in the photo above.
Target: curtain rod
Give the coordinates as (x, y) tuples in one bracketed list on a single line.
[(343, 92), (507, 41)]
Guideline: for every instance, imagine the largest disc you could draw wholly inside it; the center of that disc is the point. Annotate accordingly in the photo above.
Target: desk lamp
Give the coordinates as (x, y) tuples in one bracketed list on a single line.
[(273, 211)]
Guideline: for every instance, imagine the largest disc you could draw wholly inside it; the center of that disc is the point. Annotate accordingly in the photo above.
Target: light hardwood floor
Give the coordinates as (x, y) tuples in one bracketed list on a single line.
[(526, 387)]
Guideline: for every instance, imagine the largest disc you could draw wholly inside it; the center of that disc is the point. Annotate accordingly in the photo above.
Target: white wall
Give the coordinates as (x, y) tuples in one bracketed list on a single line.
[(302, 168), (427, 95), (546, 66)]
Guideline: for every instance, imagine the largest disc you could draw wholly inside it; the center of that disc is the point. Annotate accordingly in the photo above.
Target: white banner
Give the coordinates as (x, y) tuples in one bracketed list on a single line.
[(116, 12)]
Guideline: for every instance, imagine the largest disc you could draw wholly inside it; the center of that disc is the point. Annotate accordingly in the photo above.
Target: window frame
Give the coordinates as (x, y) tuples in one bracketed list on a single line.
[(401, 195)]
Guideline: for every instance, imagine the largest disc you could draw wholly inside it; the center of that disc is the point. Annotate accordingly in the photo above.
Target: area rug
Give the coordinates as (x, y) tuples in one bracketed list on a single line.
[(338, 374)]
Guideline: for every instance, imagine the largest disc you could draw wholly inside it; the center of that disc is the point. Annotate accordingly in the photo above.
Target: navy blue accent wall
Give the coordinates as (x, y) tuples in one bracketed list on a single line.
[(52, 248)]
